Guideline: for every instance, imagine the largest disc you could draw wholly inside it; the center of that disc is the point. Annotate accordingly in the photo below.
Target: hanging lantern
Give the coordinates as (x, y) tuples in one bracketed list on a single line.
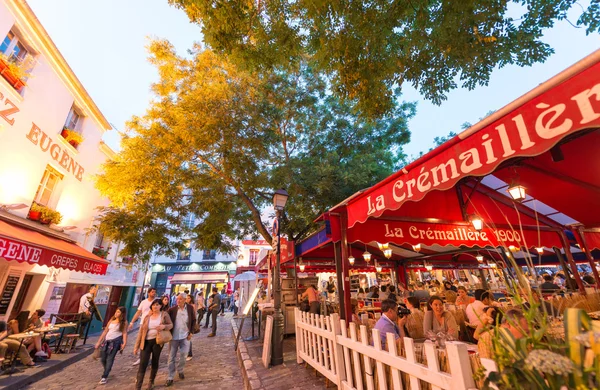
[(479, 258), (378, 268), (513, 248), (351, 260), (429, 267), (387, 253), (540, 250), (417, 248), (301, 265), (477, 222), (367, 256), (517, 192), (493, 265), (381, 246)]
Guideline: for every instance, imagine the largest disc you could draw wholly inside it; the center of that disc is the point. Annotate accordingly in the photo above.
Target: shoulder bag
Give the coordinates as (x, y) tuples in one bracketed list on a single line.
[(163, 336)]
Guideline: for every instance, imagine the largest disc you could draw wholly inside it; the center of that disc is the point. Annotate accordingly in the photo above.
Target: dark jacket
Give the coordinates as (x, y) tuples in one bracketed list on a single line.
[(191, 316)]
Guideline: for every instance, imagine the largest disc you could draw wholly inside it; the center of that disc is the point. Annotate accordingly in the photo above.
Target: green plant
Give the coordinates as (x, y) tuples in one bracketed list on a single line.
[(72, 136), (47, 215), (18, 69), (37, 208)]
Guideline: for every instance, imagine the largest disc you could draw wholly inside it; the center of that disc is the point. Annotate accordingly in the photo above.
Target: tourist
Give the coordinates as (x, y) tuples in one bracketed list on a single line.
[(374, 293), (387, 323), (213, 310), (85, 307), (313, 299), (449, 287), (165, 302), (330, 287), (438, 320), (475, 310), (412, 324), (491, 316), (463, 300), (209, 314), (147, 344), (392, 293), (183, 318), (420, 292), (514, 321), (21, 324), (236, 302), (143, 310), (112, 340), (361, 294), (13, 346), (451, 298), (541, 304), (190, 302), (383, 293), (548, 286)]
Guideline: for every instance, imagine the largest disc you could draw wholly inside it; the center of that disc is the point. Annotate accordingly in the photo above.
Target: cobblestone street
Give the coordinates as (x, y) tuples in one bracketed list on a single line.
[(214, 366)]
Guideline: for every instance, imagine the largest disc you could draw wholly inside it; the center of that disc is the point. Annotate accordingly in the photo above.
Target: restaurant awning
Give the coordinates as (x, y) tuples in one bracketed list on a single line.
[(199, 277), (24, 245)]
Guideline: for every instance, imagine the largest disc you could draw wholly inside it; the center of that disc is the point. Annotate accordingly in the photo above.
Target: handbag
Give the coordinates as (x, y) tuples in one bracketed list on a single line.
[(96, 354), (163, 337), (196, 328)]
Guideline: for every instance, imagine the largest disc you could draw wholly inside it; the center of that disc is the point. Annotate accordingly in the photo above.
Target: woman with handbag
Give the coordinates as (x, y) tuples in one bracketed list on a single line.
[(112, 340), (154, 333)]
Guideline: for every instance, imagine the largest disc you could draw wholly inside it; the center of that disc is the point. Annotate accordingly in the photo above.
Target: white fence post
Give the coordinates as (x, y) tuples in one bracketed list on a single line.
[(380, 367), (299, 343), (460, 366), (336, 327)]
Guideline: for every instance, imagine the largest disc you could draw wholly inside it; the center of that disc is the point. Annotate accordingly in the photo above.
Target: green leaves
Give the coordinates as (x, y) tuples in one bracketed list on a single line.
[(218, 140), (369, 49)]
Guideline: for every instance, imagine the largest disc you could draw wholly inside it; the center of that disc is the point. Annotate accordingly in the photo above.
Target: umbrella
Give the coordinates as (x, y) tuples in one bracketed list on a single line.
[(245, 277)]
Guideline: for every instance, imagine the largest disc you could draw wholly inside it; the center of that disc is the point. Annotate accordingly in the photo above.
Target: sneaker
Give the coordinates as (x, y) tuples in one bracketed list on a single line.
[(211, 335), (137, 362), (41, 354), (169, 383), (187, 359), (181, 376), (103, 381)]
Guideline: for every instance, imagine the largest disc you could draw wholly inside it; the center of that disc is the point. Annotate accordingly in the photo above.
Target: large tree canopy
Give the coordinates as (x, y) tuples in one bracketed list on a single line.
[(369, 48), (217, 141)]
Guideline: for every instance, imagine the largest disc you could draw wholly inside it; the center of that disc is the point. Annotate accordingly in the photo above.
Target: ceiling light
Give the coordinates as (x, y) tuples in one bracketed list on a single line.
[(351, 260), (479, 258), (477, 222), (540, 250), (387, 253), (367, 256), (517, 192), (378, 267), (417, 248), (429, 267)]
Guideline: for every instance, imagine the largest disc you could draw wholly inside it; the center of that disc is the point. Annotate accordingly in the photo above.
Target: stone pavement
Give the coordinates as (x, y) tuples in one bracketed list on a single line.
[(214, 367)]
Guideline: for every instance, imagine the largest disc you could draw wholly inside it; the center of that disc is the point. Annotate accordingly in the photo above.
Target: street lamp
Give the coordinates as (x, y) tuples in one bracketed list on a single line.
[(279, 200)]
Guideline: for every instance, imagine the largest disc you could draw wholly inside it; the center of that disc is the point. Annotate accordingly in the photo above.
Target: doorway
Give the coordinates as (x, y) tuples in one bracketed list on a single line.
[(16, 309), (113, 303)]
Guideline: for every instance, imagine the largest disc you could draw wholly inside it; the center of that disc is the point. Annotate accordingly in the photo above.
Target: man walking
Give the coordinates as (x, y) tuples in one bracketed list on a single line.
[(183, 318), (142, 311), (213, 310)]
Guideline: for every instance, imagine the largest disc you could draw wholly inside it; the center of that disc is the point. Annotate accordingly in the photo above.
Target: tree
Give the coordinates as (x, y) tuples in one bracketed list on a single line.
[(218, 140), (369, 49)]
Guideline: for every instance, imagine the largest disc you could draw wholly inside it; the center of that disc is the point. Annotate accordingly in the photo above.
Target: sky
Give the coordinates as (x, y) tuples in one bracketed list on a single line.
[(104, 43)]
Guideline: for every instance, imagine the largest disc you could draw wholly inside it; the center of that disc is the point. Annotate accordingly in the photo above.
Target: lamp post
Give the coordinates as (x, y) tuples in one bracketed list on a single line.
[(279, 200)]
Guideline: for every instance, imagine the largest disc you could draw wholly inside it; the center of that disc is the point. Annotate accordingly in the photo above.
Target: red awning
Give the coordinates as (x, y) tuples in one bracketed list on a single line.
[(592, 239), (199, 277), (531, 126), (24, 245)]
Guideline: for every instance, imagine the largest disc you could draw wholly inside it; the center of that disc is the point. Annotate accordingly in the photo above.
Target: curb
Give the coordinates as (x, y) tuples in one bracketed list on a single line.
[(251, 379)]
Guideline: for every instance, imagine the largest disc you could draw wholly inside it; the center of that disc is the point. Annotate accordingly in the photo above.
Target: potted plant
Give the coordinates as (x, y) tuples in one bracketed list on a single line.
[(49, 216), (72, 137), (35, 212), (100, 251), (13, 71)]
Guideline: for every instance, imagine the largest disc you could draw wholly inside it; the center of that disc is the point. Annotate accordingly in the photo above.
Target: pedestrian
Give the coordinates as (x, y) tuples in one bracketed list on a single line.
[(112, 340), (236, 302), (189, 300), (165, 303), (213, 310), (183, 319), (208, 314), (200, 308), (147, 344), (223, 301), (142, 311)]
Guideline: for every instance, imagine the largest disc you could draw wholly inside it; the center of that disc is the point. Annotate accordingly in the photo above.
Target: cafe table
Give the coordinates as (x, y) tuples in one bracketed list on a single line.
[(62, 328), (21, 337)]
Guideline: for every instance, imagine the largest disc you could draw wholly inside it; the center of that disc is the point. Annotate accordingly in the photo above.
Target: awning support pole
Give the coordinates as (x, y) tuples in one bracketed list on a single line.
[(571, 261), (337, 250), (345, 268), (584, 247)]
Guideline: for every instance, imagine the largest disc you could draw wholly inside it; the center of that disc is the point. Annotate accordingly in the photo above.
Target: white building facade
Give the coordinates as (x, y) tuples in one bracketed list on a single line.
[(50, 149)]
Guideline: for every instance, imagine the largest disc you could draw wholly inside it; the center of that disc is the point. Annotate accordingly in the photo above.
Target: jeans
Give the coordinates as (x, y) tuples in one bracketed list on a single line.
[(214, 314), (235, 309), (183, 346), (150, 348), (190, 354), (223, 308), (208, 315), (108, 353)]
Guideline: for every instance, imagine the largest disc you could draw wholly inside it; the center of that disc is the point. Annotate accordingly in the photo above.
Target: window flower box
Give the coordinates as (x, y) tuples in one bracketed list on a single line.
[(12, 72), (72, 137), (100, 251), (45, 215)]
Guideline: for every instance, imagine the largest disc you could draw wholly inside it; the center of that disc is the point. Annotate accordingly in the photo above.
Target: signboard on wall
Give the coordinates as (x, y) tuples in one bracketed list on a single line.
[(102, 295), (8, 292)]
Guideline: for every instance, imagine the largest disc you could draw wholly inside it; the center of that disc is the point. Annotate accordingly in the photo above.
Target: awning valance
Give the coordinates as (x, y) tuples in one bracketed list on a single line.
[(200, 277), (26, 246)]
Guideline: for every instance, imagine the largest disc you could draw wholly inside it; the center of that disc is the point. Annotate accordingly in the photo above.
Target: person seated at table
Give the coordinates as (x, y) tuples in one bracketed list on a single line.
[(392, 293), (475, 310), (491, 317), (361, 294), (548, 286), (448, 286), (383, 294), (355, 316), (374, 293), (420, 292), (437, 319), (11, 345), (541, 304), (35, 321), (462, 298), (387, 323), (514, 321), (412, 324)]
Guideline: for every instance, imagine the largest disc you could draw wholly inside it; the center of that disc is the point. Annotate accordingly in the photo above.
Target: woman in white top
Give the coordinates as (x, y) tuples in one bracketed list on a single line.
[(112, 340), (146, 341)]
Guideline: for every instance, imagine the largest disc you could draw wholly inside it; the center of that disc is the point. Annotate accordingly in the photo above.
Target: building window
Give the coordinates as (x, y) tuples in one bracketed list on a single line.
[(48, 186), (185, 253), (253, 256), (209, 254), (18, 60), (13, 48), (73, 119), (189, 220)]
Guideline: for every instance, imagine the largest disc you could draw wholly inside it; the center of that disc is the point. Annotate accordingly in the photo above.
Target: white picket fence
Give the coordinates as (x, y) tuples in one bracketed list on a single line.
[(324, 343)]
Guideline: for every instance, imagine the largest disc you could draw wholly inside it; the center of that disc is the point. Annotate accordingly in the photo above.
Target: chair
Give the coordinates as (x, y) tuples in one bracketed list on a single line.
[(70, 341)]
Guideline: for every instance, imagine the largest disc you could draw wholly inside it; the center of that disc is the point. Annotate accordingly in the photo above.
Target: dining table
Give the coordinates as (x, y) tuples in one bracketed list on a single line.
[(55, 327)]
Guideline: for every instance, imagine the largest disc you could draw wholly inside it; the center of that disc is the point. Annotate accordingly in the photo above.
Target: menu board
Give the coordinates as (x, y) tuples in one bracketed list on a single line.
[(9, 291)]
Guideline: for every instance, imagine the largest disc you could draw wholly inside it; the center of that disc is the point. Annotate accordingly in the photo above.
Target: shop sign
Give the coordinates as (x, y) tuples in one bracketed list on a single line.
[(414, 233), (195, 267), (22, 252), (43, 140), (529, 130)]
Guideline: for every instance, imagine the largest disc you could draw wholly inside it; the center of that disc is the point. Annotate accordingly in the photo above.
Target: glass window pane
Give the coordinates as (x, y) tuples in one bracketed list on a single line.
[(4, 45), (45, 197)]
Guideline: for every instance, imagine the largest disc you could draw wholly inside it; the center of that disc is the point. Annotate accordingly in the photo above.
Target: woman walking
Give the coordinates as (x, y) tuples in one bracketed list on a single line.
[(165, 303), (147, 344), (112, 340), (190, 301)]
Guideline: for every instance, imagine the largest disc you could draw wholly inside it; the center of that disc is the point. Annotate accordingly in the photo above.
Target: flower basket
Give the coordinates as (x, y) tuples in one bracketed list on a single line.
[(100, 251), (44, 214), (34, 215), (9, 71), (72, 137)]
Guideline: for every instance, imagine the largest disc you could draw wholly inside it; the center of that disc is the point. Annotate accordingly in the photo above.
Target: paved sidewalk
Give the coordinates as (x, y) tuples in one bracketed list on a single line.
[(213, 367)]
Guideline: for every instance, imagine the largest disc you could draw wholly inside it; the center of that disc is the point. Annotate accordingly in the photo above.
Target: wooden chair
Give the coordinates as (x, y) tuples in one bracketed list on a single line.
[(70, 341)]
